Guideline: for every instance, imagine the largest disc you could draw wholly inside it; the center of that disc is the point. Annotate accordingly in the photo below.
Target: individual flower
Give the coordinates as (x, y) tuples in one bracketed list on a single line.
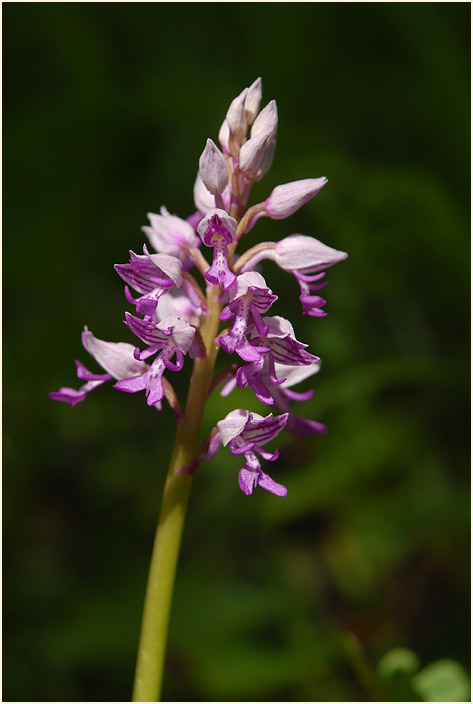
[(149, 274), (306, 257), (115, 357), (169, 234), (171, 337), (284, 200), (245, 433), (303, 256), (217, 229), (249, 295), (277, 345)]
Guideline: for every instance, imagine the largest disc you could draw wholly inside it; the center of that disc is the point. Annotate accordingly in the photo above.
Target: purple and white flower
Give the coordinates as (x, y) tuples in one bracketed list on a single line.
[(249, 295), (245, 433), (171, 337), (217, 229), (116, 358), (149, 274)]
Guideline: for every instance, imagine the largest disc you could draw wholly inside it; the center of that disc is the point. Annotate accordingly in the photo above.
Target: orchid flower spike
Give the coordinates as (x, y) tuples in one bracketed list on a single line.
[(175, 316)]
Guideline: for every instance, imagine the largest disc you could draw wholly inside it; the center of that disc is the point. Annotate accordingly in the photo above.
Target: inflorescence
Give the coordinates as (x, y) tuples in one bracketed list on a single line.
[(171, 304)]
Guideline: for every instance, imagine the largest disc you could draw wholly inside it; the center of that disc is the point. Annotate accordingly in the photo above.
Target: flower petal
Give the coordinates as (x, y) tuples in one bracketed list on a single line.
[(115, 357)]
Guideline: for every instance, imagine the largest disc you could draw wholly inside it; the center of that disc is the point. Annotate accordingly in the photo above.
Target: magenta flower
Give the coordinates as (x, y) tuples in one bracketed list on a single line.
[(116, 358), (278, 345), (171, 337), (249, 295), (218, 230), (246, 432), (149, 274)]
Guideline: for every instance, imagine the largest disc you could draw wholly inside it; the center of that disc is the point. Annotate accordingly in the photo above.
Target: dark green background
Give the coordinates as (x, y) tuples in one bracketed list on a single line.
[(107, 107)]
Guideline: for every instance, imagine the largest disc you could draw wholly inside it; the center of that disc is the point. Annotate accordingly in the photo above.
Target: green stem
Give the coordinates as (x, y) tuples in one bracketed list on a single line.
[(152, 646)]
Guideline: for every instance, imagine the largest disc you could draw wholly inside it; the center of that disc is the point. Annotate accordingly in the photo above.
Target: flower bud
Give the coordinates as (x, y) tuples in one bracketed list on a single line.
[(267, 120), (289, 197), (213, 169), (253, 152), (253, 100), (267, 160), (305, 254), (236, 116), (224, 137)]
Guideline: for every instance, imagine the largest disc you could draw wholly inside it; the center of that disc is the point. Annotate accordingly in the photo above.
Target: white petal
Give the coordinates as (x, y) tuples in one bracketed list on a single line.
[(232, 425), (115, 357)]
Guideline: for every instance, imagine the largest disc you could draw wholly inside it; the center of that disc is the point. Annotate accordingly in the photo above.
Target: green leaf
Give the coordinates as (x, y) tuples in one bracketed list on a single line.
[(398, 663), (443, 681)]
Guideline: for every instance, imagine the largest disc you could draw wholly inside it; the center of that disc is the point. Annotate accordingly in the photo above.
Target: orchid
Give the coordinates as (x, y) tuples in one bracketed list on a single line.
[(191, 309)]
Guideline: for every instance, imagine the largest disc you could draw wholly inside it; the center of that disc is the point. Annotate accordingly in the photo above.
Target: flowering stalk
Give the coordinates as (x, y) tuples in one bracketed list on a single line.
[(174, 319), (152, 647)]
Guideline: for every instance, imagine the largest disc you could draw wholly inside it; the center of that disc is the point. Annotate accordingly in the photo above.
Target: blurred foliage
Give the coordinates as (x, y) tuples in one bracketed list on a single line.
[(107, 107)]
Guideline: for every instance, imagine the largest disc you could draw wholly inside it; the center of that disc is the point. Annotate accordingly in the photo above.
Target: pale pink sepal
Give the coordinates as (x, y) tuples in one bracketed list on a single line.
[(305, 254), (289, 197)]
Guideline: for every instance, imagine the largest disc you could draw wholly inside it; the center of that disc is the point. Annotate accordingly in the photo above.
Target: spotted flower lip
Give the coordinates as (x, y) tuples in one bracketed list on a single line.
[(151, 275)]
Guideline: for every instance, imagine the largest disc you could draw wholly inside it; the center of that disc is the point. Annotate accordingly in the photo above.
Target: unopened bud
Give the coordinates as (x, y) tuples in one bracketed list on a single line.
[(224, 137), (213, 169), (289, 197), (267, 160), (253, 100), (253, 153), (236, 116), (267, 120)]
